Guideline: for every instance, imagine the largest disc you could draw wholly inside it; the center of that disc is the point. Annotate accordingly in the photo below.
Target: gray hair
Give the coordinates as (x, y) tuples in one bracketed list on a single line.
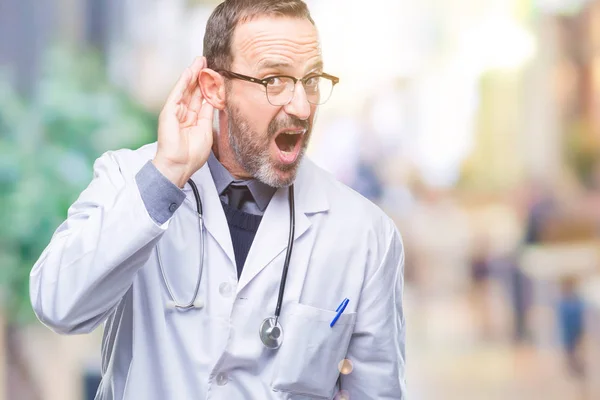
[(231, 13)]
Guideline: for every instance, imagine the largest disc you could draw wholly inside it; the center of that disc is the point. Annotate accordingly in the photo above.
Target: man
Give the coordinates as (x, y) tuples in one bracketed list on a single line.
[(184, 300)]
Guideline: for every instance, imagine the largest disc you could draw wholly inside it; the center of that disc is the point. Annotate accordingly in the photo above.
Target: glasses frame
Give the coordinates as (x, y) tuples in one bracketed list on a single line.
[(234, 75)]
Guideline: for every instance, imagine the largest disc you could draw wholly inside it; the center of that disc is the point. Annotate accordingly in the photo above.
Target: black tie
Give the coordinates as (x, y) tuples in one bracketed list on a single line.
[(238, 194)]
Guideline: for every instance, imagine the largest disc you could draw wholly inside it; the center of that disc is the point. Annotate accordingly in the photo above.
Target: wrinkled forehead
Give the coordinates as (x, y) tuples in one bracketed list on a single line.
[(288, 45)]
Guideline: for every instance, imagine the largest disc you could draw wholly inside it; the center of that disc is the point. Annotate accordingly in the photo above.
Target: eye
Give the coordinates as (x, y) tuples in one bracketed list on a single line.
[(275, 81), (312, 80)]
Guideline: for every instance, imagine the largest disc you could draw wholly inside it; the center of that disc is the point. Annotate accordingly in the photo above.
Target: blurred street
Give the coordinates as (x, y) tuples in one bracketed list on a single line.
[(451, 359)]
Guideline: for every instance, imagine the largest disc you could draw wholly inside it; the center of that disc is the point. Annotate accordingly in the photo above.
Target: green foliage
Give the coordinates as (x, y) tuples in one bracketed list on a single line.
[(47, 148)]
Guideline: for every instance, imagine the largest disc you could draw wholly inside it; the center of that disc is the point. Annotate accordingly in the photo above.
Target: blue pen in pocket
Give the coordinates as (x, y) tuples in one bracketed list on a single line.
[(339, 311)]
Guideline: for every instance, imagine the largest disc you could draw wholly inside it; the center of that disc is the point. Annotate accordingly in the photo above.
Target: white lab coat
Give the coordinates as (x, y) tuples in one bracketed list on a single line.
[(101, 267)]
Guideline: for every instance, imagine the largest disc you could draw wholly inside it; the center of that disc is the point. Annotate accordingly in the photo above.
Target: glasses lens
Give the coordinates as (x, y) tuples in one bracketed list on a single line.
[(280, 90), (318, 89)]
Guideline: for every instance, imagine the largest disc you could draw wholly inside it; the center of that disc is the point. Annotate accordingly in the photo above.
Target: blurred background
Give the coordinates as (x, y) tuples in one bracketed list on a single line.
[(475, 124)]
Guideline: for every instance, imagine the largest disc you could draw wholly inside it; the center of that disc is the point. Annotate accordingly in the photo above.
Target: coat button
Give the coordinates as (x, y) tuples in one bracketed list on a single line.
[(222, 379), (173, 207), (226, 289)]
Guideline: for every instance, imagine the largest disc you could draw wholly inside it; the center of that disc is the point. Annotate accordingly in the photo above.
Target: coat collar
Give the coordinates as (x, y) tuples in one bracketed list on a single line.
[(310, 197)]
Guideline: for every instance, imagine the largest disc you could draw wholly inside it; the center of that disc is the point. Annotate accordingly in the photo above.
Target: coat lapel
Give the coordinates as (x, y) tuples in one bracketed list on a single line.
[(272, 236), (215, 221)]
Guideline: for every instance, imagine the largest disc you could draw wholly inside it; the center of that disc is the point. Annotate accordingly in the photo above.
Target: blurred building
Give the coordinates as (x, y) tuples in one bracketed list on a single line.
[(576, 72), (35, 25)]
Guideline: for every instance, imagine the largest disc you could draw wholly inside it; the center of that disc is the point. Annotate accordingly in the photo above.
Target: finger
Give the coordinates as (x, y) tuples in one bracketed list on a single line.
[(195, 69), (181, 112), (187, 94), (177, 92), (199, 64), (196, 100), (189, 119)]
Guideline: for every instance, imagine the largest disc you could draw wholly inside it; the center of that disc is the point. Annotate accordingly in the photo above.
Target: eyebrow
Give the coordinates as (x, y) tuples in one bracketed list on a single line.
[(318, 65), (266, 64)]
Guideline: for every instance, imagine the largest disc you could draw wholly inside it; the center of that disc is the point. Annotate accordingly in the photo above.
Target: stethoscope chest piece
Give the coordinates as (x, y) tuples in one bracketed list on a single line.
[(271, 333)]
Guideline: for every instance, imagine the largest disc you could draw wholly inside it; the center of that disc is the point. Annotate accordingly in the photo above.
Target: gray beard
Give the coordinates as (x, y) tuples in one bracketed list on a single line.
[(254, 157)]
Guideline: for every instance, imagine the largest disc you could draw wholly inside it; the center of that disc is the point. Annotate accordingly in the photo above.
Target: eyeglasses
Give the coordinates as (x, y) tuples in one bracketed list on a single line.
[(280, 88)]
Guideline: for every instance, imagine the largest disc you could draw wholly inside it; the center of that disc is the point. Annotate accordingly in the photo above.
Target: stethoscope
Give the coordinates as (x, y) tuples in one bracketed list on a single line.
[(270, 331)]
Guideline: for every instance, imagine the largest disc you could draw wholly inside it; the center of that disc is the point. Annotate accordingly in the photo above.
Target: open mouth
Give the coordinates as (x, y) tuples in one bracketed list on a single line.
[(287, 141), (289, 144)]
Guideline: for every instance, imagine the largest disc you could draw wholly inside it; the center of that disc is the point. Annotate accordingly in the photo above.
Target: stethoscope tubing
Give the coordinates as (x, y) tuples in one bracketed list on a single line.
[(288, 253), (286, 263), (192, 303)]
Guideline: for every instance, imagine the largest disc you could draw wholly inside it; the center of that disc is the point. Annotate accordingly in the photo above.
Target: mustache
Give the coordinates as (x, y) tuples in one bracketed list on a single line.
[(289, 123)]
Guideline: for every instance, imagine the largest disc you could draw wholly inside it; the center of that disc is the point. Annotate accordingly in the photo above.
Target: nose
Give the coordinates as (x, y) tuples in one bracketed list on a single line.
[(299, 105)]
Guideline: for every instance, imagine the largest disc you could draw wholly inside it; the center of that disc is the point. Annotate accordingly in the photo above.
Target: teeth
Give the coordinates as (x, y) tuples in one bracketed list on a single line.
[(293, 132)]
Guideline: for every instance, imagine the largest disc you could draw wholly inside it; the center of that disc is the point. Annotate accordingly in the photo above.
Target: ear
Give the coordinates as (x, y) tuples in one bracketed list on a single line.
[(212, 85)]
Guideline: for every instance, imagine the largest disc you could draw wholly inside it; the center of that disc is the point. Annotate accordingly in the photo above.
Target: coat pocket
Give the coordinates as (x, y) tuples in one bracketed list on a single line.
[(307, 361)]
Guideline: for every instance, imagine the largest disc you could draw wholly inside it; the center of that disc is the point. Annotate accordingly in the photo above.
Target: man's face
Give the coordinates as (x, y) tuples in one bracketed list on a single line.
[(269, 141)]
